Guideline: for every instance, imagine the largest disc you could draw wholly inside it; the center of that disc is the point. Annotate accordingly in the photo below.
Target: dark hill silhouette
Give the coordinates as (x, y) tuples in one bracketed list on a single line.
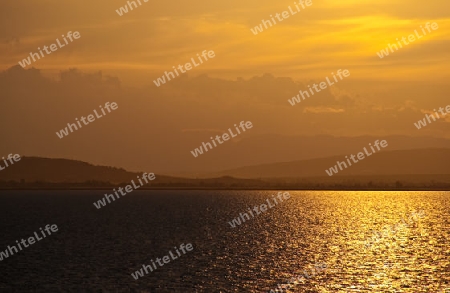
[(44, 171), (63, 170), (396, 170)]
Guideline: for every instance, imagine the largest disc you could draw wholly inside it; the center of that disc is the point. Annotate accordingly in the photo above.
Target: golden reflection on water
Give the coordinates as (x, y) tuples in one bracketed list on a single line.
[(376, 241)]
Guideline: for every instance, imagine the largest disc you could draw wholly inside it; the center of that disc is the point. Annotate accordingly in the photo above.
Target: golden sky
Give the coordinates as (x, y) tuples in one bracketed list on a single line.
[(157, 35), (381, 97)]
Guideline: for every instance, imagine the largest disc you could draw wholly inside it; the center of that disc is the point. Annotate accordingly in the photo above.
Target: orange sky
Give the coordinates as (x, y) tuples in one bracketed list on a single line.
[(381, 97), (155, 36)]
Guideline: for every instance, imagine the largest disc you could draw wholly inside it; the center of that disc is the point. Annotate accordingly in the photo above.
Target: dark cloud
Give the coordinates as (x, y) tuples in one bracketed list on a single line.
[(157, 127)]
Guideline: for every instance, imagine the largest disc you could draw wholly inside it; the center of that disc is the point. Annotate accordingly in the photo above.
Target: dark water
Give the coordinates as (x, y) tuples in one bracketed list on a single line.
[(97, 250)]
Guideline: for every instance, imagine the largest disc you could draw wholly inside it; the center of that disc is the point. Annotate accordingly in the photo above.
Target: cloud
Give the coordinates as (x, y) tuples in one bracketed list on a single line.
[(157, 127), (323, 110), (203, 130), (156, 36)]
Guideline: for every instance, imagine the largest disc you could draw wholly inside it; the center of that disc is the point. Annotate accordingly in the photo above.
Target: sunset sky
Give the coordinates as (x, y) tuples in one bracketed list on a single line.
[(381, 97), (157, 35)]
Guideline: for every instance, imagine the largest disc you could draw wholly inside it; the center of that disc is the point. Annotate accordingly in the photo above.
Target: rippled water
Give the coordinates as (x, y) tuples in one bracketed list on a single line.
[(97, 250)]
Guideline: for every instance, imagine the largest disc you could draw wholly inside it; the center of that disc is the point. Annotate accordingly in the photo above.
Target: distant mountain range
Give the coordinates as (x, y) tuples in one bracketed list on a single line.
[(407, 169), (402, 162), (255, 150)]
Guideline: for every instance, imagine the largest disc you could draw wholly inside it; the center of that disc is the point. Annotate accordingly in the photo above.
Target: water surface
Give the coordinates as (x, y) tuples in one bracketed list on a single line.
[(97, 250)]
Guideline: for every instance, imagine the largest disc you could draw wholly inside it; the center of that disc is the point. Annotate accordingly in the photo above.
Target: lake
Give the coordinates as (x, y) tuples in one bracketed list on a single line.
[(369, 241)]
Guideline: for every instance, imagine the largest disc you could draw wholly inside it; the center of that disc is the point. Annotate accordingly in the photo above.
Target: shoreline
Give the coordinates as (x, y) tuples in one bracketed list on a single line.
[(237, 188)]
